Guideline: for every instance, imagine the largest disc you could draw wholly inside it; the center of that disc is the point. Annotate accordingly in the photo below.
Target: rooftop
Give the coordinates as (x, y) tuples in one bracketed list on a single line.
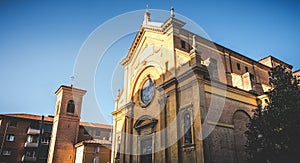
[(29, 116), (49, 118), (90, 124), (94, 141), (296, 71), (278, 60)]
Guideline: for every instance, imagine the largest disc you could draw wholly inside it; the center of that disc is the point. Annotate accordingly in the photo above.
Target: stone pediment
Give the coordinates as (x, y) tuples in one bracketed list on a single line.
[(158, 28), (145, 121)]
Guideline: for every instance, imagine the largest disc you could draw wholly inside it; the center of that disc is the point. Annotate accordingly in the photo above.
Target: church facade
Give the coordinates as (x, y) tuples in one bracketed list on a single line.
[(185, 98)]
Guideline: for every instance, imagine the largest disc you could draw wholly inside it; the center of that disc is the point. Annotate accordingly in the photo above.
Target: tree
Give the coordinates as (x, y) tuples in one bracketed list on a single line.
[(273, 133)]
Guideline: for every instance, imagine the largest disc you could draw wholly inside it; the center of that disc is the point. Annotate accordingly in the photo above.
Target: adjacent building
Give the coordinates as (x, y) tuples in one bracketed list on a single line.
[(297, 74), (94, 151), (35, 138), (22, 139)]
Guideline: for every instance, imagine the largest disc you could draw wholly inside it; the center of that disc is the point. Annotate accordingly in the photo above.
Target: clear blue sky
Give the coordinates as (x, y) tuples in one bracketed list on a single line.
[(40, 40)]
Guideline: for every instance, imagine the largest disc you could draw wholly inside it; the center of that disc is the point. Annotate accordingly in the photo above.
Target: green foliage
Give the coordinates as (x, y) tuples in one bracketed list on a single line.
[(274, 131)]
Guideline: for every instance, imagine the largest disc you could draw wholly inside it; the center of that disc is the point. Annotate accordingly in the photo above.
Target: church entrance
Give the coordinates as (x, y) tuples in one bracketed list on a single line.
[(146, 149), (145, 126)]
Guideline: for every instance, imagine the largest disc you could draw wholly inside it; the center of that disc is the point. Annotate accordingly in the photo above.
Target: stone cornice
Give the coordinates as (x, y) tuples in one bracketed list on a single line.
[(130, 104)]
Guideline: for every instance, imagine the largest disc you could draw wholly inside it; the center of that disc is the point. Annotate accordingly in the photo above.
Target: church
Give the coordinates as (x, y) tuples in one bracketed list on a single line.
[(185, 98)]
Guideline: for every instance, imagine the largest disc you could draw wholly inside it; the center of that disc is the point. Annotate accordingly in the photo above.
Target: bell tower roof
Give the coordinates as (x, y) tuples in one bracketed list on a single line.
[(70, 89), (147, 16), (172, 12)]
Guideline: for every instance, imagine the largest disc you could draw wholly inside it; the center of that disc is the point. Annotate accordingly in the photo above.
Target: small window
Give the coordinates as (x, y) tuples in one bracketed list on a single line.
[(30, 154), (238, 66), (10, 137), (13, 124), (71, 107), (246, 68), (0, 122), (97, 149), (85, 132), (30, 139), (96, 160), (118, 147), (47, 128), (97, 133), (45, 141), (6, 152), (187, 129), (182, 44), (251, 77)]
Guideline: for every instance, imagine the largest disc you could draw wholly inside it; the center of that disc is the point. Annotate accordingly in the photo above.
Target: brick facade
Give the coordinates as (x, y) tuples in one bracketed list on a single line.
[(203, 97), (22, 141)]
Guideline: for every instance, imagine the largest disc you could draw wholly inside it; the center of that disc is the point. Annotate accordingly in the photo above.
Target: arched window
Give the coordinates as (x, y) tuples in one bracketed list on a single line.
[(118, 147), (187, 128), (71, 107)]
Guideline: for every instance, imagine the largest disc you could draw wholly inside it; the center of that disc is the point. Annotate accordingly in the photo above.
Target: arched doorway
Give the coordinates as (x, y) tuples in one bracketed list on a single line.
[(145, 127)]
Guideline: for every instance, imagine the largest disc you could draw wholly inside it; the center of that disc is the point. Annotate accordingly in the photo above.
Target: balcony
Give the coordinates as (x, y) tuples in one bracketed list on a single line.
[(31, 144), (33, 131), (28, 158)]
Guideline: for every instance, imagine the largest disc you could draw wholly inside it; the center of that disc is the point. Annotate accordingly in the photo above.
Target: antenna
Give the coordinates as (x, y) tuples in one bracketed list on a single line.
[(72, 80), (260, 56)]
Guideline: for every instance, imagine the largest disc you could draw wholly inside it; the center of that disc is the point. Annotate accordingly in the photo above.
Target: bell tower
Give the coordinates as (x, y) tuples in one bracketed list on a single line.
[(65, 124)]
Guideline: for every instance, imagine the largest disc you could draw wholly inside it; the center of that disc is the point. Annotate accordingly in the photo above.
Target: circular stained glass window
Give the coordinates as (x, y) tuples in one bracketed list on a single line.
[(147, 92)]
